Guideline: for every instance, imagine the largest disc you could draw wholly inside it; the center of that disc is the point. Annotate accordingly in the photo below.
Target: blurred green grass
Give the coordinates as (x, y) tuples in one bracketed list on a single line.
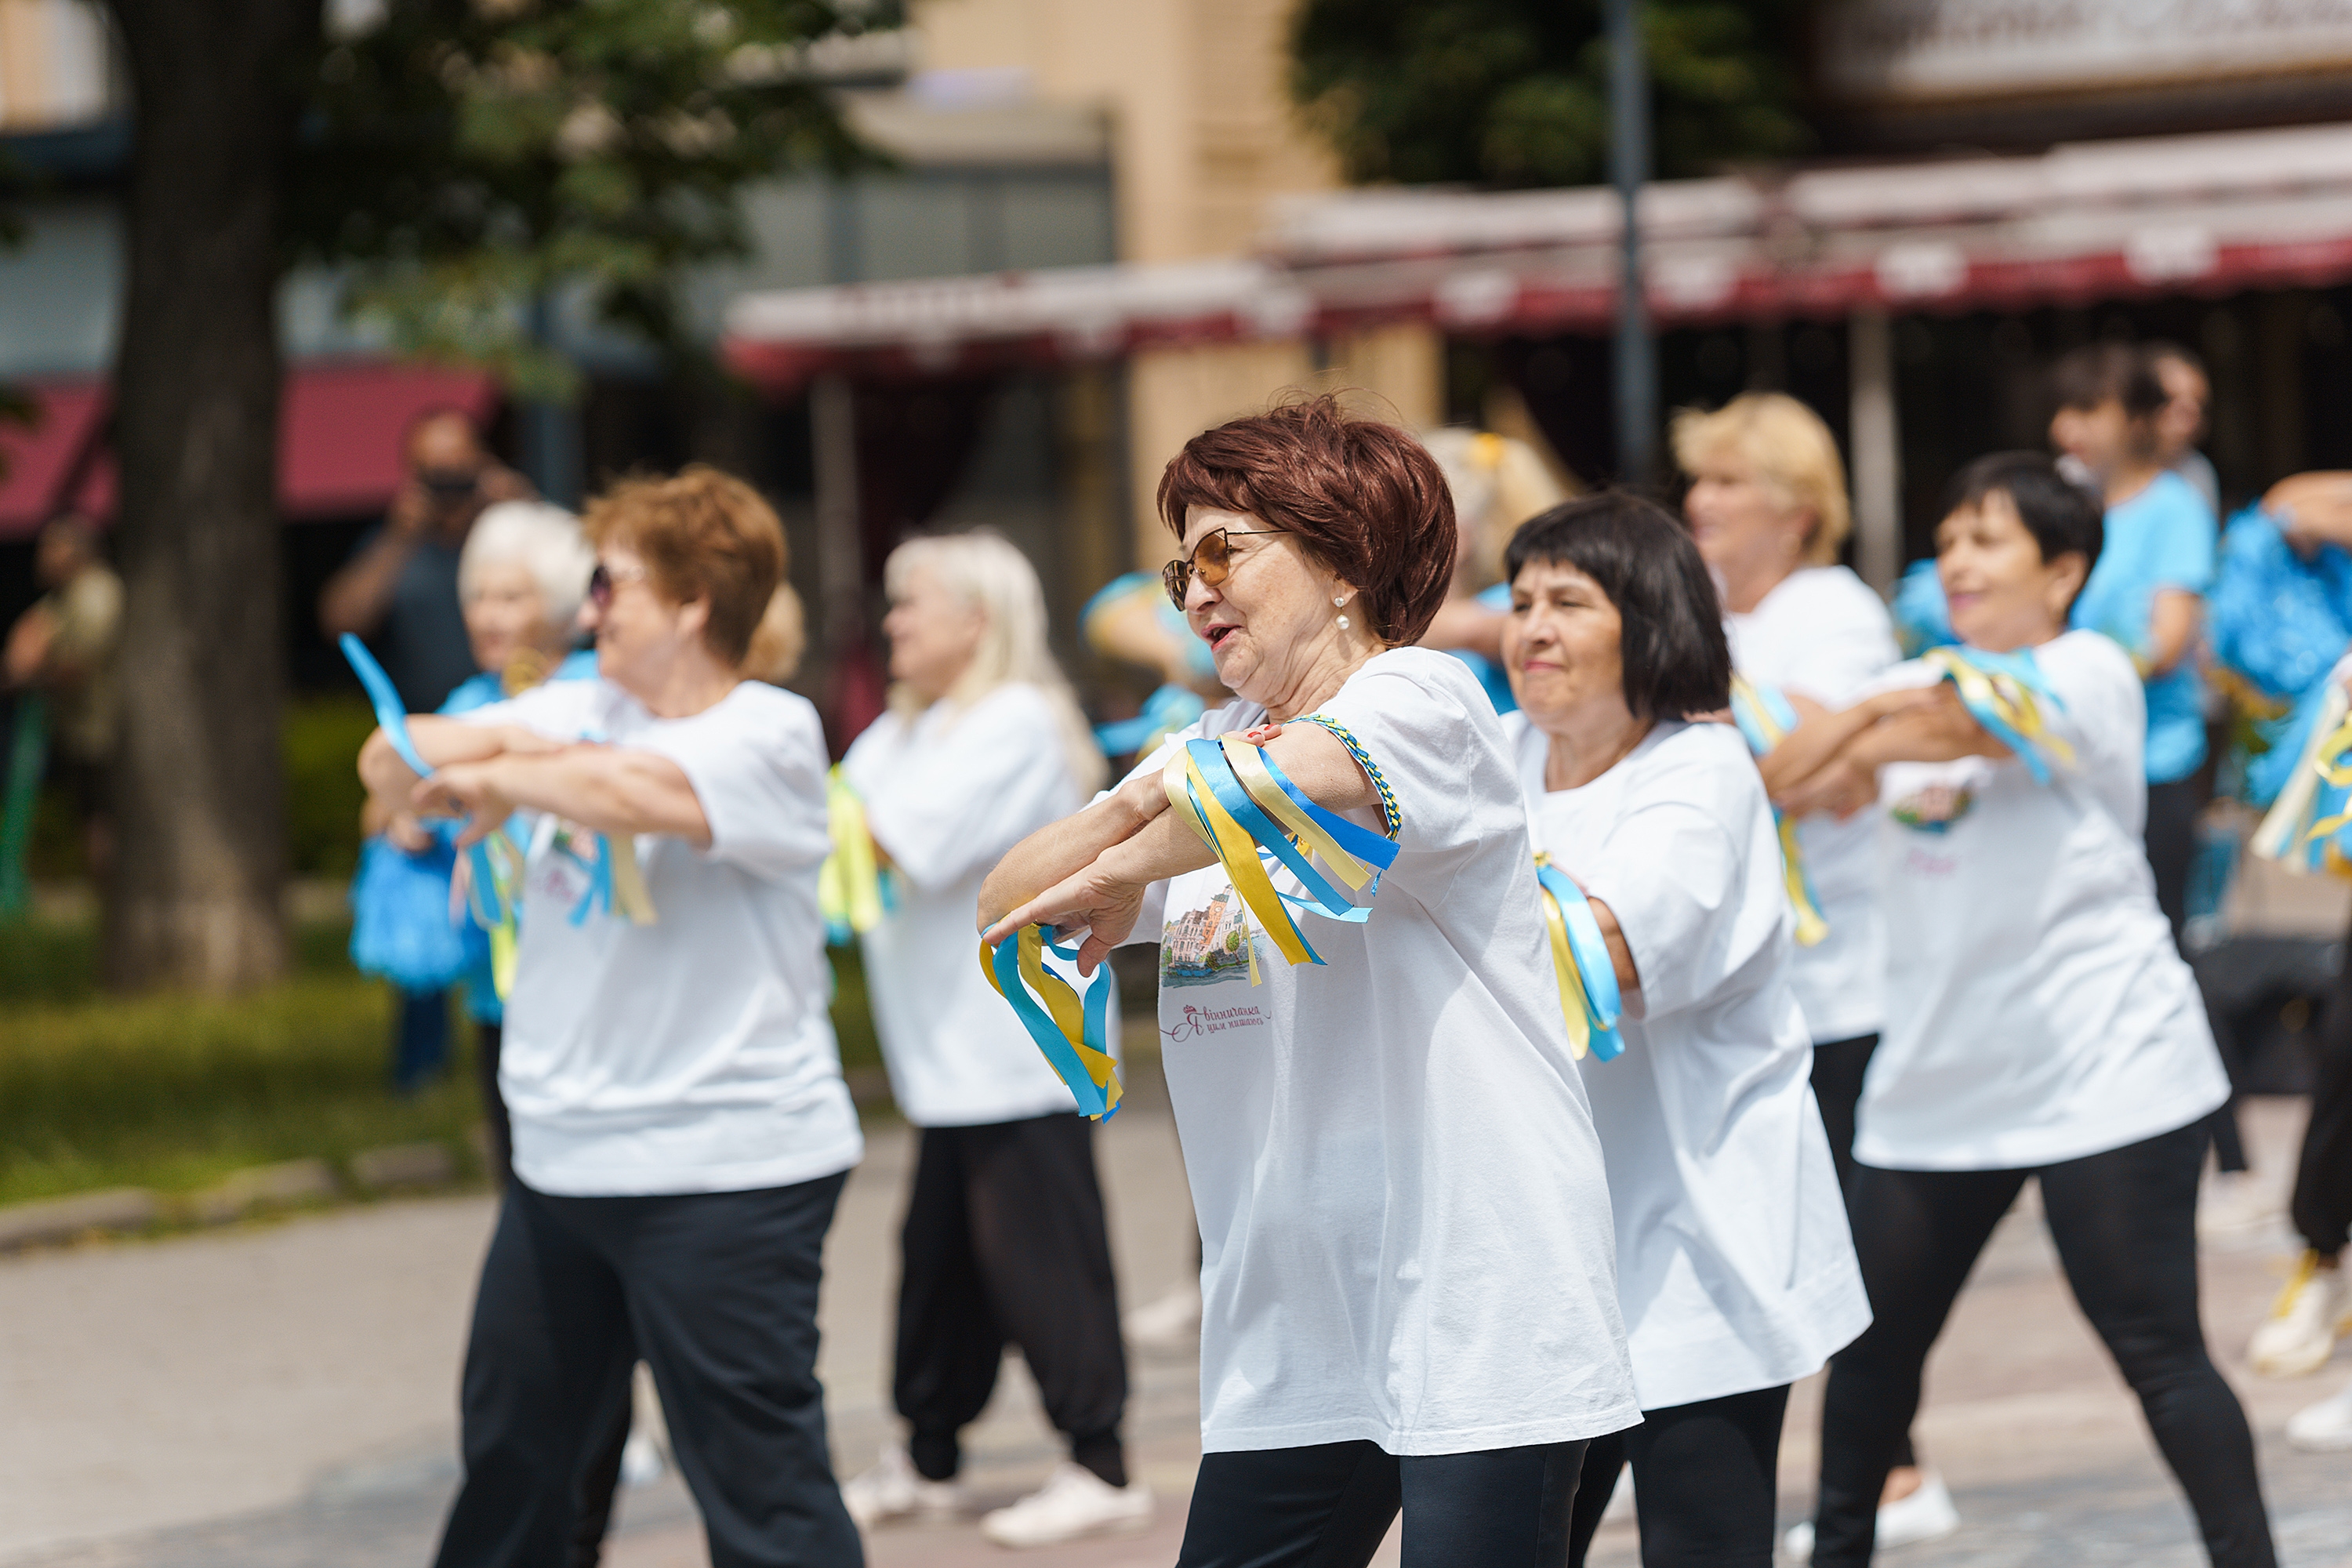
[(174, 1092)]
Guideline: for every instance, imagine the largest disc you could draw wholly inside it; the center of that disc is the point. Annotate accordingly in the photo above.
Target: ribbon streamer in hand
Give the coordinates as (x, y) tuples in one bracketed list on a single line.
[(1165, 711), (1070, 1029), (1589, 997), (851, 888), (2004, 692), (1244, 807), (1765, 719)]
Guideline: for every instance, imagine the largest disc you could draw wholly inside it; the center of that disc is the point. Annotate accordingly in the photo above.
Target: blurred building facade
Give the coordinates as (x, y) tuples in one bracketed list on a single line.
[(1106, 230)]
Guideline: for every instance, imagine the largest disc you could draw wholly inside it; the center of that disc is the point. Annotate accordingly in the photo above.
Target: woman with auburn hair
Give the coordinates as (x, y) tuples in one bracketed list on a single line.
[(1004, 1240), (681, 1129), (1409, 1298), (1767, 506)]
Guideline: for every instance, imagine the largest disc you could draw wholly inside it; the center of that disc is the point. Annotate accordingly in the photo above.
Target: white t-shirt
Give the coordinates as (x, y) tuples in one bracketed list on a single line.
[(2037, 1009), (1821, 633), (1734, 1269), (693, 1055), (947, 793), (1403, 1216)]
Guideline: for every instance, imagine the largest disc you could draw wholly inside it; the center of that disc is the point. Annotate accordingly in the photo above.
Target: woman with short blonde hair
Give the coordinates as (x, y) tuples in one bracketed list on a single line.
[(1788, 453), (1004, 1240)]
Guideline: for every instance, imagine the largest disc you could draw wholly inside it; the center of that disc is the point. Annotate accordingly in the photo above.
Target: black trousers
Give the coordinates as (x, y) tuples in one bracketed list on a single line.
[(1328, 1505), (488, 1039), (1705, 1482), (2170, 839), (1838, 1069), (718, 1291), (1005, 1243), (2322, 1209), (2125, 1223)]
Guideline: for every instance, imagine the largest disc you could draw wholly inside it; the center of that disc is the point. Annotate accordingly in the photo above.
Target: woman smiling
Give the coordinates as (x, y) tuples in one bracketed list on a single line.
[(1408, 1297), (1733, 1264), (2039, 1023)]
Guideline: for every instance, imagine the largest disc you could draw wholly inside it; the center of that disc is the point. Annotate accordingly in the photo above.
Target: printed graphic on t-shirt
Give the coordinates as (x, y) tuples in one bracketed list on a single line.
[(1207, 946), (1934, 808), (1195, 1021)]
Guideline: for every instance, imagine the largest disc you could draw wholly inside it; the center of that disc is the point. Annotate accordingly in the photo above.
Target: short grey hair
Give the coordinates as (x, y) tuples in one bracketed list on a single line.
[(543, 538)]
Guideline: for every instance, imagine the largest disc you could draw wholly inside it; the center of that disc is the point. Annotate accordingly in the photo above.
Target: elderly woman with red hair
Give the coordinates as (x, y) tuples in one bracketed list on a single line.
[(1408, 1278)]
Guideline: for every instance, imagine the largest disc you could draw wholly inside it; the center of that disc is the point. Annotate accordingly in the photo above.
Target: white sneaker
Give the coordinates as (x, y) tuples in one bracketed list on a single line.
[(895, 1489), (2325, 1427), (641, 1461), (1170, 1323), (2304, 1322), (1073, 1502), (1620, 1502), (1927, 1515), (2234, 1202)]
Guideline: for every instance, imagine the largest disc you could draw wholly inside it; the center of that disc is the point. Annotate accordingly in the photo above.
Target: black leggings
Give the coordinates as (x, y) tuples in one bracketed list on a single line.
[(1328, 1505), (2323, 1180), (1703, 1482), (1839, 1066), (2125, 1223)]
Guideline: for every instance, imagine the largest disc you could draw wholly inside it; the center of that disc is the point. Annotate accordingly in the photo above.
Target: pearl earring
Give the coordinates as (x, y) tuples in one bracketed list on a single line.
[(1336, 604)]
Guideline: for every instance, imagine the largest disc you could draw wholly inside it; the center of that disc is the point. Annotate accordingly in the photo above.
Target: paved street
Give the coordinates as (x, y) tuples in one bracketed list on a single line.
[(280, 1396)]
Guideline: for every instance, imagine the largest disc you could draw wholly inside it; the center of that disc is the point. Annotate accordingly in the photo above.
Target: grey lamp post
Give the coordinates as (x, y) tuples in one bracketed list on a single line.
[(1629, 166)]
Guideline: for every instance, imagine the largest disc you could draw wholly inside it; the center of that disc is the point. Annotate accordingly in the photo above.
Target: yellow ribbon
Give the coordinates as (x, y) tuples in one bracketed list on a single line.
[(2001, 696), (1237, 851), (1574, 1008), (849, 884), (1062, 1007)]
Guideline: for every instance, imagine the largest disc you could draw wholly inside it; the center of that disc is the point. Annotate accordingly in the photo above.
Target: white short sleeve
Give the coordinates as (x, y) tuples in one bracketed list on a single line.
[(757, 764), (1672, 876), (941, 810)]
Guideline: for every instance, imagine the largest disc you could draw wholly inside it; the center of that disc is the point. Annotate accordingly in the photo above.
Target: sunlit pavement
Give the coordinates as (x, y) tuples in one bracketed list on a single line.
[(281, 1396)]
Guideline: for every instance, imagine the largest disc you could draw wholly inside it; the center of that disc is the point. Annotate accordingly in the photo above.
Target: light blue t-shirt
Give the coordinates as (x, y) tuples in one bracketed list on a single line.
[(2164, 537)]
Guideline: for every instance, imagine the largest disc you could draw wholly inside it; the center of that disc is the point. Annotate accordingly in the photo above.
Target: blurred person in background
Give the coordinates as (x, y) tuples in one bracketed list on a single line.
[(1004, 1240), (2181, 424), (1768, 507), (681, 1129), (1497, 483), (64, 647), (400, 592), (2147, 590), (779, 641)]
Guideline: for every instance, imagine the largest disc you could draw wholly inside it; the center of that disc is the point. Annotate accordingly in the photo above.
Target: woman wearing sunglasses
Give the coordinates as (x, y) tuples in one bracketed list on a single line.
[(681, 1130), (1408, 1286)]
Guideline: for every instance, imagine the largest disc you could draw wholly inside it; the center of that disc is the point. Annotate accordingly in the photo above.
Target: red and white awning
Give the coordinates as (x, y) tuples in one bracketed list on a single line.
[(2191, 214)]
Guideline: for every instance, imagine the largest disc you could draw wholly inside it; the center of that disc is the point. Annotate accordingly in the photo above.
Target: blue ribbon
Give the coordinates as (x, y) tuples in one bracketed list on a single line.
[(1006, 958), (1165, 711), (392, 716), (1321, 896), (1604, 1003)]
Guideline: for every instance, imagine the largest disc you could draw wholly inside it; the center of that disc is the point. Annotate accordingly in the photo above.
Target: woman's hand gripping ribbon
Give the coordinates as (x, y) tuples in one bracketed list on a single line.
[(1589, 997), (2004, 692), (1247, 810), (1070, 1029), (1765, 719)]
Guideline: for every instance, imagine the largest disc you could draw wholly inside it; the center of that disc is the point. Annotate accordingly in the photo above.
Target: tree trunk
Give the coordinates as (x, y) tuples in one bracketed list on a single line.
[(194, 898)]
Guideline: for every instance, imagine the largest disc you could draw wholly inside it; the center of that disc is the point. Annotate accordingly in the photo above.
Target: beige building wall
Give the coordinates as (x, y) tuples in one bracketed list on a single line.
[(1202, 137)]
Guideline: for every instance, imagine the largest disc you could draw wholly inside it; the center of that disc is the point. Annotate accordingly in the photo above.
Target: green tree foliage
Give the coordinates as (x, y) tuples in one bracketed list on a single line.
[(1516, 92), (464, 157)]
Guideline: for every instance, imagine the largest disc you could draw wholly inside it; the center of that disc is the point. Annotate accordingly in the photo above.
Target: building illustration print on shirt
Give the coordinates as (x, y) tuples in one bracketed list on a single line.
[(1205, 946)]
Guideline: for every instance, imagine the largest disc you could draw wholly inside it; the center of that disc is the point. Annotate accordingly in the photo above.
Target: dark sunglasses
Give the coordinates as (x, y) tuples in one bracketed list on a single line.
[(450, 484), (1212, 558), (601, 582)]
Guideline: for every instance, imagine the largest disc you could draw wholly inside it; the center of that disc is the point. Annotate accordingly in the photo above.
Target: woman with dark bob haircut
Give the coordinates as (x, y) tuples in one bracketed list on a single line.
[(1407, 1299), (2040, 1022), (1734, 1267)]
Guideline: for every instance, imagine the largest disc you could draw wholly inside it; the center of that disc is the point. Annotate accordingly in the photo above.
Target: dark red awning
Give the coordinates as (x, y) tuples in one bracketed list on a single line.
[(339, 447)]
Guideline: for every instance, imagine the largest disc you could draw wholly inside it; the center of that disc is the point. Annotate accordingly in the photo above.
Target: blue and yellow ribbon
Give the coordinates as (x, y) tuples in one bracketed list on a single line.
[(1070, 1029), (1589, 998), (2004, 692), (852, 890), (1765, 719), (2309, 828), (1165, 711), (1243, 806)]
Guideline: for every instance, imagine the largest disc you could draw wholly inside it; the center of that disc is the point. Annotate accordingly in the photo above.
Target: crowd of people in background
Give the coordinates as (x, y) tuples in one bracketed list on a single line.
[(1889, 912)]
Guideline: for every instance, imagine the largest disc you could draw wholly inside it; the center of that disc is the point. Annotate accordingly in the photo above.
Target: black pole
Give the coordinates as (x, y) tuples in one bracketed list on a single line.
[(1629, 166)]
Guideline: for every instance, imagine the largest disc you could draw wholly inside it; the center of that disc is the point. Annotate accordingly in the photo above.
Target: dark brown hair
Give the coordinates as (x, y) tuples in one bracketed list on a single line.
[(704, 535), (2091, 374), (1366, 500)]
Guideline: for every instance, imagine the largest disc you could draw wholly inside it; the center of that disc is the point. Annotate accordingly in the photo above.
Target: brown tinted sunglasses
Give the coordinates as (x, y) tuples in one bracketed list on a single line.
[(1212, 558)]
